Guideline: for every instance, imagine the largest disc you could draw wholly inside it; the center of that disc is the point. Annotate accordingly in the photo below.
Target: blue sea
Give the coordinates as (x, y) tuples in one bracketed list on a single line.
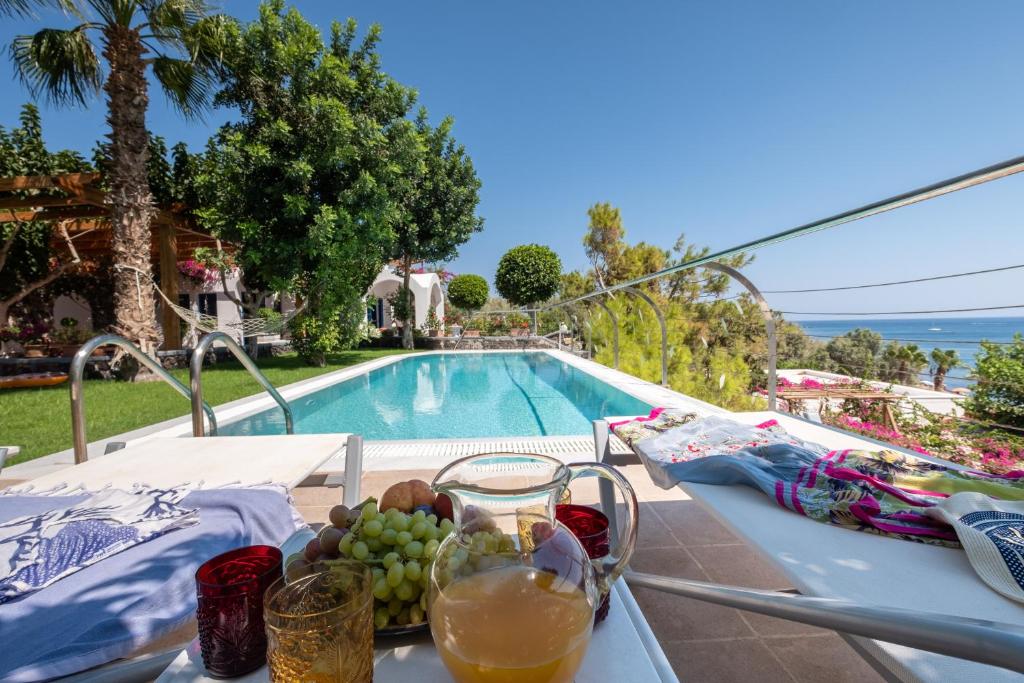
[(962, 334)]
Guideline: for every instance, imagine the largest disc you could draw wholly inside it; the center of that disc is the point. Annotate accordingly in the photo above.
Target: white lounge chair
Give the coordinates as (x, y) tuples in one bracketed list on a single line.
[(211, 461), (883, 589)]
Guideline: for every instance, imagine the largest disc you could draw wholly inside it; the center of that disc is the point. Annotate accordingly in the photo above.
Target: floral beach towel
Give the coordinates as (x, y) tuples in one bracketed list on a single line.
[(38, 550), (883, 492)]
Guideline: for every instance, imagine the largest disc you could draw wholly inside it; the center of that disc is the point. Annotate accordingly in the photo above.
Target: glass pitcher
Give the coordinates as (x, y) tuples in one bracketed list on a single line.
[(512, 592)]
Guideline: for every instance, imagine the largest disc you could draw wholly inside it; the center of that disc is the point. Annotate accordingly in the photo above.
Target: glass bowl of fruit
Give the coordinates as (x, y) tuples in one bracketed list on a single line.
[(397, 537)]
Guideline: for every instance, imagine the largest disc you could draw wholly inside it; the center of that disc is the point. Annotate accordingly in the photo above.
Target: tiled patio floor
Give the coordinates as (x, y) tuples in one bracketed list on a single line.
[(703, 642)]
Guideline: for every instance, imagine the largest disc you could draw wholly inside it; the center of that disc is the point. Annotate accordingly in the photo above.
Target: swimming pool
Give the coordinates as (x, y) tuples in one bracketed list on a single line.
[(447, 396)]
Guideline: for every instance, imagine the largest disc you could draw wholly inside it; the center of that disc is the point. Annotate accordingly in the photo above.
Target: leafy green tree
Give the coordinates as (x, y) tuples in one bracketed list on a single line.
[(305, 182), (182, 45), (901, 363), (944, 360), (528, 274), (998, 395), (28, 263), (468, 292), (855, 352), (437, 197)]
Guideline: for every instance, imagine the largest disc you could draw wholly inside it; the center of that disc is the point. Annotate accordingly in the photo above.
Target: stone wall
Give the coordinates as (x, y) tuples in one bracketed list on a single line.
[(482, 343), (99, 366)]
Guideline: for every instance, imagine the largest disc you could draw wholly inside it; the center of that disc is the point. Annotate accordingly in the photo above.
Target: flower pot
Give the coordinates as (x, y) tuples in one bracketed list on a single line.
[(35, 350), (434, 333), (520, 332), (471, 333)]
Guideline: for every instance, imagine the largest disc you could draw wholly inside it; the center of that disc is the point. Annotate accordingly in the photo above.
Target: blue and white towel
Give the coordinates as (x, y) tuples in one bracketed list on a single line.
[(111, 609), (38, 549)]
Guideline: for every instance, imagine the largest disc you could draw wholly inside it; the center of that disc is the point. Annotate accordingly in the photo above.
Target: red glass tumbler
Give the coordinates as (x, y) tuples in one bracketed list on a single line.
[(590, 527), (230, 591)]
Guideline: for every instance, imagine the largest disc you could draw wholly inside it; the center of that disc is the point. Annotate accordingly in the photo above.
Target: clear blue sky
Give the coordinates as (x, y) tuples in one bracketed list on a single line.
[(725, 120)]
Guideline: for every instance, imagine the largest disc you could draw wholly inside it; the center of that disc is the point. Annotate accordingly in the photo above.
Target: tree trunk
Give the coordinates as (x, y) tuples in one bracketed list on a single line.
[(131, 204), (410, 306), (940, 379)]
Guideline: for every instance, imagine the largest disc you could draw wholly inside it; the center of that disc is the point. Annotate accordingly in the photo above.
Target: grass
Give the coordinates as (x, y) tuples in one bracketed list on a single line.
[(39, 420)]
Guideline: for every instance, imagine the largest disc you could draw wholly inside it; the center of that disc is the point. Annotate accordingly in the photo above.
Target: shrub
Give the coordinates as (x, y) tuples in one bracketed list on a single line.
[(999, 394), (468, 292), (528, 274)]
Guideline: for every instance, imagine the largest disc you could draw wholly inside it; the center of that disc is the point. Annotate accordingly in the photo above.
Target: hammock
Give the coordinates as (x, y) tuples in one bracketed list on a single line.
[(247, 327)]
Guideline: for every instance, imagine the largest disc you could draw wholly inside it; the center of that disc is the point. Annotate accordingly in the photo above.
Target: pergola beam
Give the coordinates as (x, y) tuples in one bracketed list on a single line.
[(72, 182)]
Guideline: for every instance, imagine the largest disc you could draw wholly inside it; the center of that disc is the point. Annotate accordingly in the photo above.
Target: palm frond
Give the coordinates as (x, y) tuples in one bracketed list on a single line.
[(25, 8), (188, 86), (60, 65)]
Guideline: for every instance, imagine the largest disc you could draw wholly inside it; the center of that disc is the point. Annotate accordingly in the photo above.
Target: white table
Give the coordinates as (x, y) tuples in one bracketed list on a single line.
[(623, 648), (826, 561), (210, 461)]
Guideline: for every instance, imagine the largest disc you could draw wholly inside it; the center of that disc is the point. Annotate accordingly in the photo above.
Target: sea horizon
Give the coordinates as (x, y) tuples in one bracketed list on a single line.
[(962, 334)]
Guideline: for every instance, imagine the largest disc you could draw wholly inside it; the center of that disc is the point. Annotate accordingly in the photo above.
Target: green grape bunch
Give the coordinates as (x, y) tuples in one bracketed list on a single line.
[(398, 547)]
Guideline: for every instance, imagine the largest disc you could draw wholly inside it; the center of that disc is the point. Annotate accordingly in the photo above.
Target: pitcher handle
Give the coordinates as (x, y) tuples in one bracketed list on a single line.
[(613, 566)]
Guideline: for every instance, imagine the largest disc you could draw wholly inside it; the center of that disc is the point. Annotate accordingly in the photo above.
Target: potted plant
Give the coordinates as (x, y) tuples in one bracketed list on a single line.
[(8, 335), (519, 325), (32, 337), (432, 324), (498, 326), (453, 324), (472, 328), (67, 338)]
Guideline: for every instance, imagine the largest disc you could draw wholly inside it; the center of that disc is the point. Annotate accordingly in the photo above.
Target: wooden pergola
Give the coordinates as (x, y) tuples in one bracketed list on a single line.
[(79, 210), (838, 391)]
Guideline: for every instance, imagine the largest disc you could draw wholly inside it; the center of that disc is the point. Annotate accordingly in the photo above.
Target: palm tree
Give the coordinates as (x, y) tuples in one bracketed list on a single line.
[(944, 362), (182, 43), (911, 361)]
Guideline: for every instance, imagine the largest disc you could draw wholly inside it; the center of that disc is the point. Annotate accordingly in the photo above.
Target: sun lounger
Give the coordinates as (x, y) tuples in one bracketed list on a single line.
[(133, 601), (830, 562)]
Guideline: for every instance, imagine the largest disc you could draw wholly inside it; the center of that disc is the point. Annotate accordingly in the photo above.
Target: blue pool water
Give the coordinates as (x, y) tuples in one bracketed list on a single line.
[(440, 396)]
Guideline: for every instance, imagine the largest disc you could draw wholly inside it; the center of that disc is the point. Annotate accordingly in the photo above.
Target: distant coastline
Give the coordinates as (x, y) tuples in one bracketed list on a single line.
[(962, 334)]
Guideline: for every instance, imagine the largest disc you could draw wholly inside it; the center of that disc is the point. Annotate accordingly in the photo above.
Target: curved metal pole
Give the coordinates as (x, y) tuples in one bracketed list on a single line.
[(615, 331), (769, 322), (195, 371), (978, 640), (78, 363), (664, 331)]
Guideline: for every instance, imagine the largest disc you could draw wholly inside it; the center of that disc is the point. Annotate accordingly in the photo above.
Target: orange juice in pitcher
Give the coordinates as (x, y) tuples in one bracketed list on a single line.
[(511, 625), (512, 593)]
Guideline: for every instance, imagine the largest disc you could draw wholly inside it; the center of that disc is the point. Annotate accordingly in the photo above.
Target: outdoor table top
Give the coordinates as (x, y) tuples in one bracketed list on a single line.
[(623, 648), (826, 561), (207, 461)]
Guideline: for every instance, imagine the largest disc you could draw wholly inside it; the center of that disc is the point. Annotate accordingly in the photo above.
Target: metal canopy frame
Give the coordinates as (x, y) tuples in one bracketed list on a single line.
[(615, 330), (769, 323)]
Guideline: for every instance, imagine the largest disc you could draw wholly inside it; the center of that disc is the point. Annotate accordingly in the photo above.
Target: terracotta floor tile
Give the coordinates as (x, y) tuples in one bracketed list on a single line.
[(822, 658), (673, 618), (691, 524), (671, 561), (728, 661), (317, 495), (738, 565), (770, 626)]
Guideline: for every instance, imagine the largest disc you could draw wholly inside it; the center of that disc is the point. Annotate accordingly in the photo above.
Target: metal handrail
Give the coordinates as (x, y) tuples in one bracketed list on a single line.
[(78, 363), (977, 640), (195, 378)]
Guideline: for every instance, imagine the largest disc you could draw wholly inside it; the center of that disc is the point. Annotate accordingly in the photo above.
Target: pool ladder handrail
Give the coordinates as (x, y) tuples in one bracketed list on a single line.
[(77, 371), (196, 382)]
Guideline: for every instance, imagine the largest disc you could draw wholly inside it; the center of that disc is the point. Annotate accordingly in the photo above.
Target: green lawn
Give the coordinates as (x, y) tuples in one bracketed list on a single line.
[(39, 420)]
